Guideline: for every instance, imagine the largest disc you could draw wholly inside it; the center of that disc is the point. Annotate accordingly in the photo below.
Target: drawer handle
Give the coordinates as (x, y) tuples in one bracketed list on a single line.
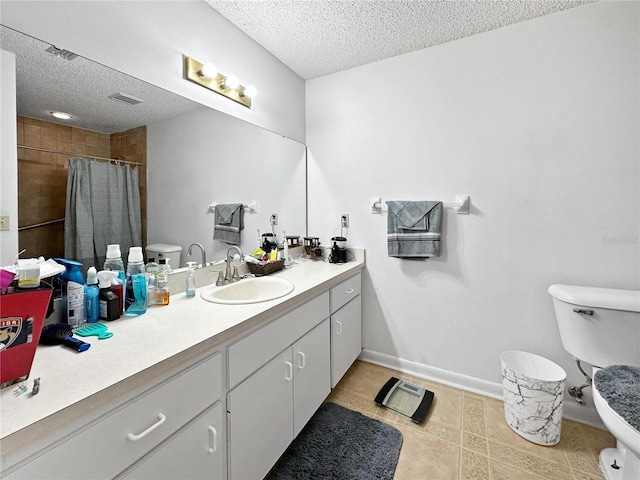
[(134, 438), (289, 376), (303, 360), (350, 291), (339, 330), (214, 439)]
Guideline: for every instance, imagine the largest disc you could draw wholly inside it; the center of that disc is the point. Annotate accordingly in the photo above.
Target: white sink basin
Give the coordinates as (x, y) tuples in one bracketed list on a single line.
[(249, 290)]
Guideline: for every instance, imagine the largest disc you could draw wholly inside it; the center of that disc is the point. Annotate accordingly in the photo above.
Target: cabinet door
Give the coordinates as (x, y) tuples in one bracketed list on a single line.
[(346, 338), (260, 419), (194, 453), (312, 379)]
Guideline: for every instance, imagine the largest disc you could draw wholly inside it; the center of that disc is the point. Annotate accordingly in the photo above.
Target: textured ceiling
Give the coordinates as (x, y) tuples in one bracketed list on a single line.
[(81, 87), (319, 37)]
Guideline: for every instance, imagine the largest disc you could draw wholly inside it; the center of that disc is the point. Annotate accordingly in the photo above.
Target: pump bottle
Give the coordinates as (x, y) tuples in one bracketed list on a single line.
[(190, 287)]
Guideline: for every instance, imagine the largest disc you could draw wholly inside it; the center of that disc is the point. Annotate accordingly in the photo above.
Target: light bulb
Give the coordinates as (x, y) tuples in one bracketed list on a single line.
[(250, 91), (231, 82), (61, 115), (208, 70)]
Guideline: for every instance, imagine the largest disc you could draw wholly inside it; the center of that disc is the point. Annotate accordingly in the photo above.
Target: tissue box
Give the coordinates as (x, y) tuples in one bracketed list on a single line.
[(28, 273), (23, 315)]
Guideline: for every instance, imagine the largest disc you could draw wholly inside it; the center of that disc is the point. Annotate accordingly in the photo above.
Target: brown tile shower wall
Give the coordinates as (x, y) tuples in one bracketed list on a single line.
[(42, 177)]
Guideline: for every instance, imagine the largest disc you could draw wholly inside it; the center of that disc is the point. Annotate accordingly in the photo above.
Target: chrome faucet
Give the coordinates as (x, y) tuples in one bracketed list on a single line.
[(204, 255), (229, 276)]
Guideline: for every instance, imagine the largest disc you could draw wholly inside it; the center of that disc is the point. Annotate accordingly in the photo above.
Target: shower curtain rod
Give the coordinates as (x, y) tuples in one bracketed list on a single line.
[(92, 157)]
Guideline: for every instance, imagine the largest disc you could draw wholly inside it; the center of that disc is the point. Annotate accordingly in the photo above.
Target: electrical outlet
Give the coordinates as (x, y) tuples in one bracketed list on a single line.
[(344, 220), (4, 223), (274, 219)]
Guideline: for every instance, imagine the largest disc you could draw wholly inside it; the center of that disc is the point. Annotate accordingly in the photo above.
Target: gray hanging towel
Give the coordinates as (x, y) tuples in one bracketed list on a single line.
[(228, 223), (414, 229)]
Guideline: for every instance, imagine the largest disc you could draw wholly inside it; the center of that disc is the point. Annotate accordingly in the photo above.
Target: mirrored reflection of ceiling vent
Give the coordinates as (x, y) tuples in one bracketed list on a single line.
[(62, 53), (126, 98)]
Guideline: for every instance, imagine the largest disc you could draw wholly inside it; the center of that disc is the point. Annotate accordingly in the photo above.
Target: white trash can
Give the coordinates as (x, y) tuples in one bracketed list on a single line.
[(533, 390)]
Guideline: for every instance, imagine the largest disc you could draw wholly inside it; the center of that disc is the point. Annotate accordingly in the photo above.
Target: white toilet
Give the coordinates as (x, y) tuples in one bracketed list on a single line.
[(601, 326)]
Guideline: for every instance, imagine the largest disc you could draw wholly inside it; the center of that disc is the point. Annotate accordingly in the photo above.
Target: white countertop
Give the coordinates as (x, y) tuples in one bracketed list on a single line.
[(164, 335)]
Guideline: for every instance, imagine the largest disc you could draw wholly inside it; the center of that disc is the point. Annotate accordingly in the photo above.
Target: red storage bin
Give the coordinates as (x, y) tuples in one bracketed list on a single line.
[(21, 318)]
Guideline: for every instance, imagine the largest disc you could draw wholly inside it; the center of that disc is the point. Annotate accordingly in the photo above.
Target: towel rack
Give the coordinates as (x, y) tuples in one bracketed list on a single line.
[(251, 207), (461, 205)]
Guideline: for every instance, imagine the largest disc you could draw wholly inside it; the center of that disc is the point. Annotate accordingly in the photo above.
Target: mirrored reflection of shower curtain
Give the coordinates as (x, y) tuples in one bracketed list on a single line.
[(103, 207)]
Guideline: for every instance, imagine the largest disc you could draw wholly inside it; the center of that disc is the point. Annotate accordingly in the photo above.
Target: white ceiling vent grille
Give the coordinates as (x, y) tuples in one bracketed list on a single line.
[(126, 98), (62, 53)]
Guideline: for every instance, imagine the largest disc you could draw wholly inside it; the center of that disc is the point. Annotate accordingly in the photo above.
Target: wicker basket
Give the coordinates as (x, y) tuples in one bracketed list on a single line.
[(267, 268)]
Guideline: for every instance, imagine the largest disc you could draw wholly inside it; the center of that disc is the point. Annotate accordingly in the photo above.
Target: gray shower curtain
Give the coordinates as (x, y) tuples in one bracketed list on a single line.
[(103, 207)]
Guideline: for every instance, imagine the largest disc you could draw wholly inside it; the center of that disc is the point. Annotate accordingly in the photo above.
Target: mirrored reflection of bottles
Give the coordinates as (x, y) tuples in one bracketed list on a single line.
[(162, 288), (151, 269), (190, 287)]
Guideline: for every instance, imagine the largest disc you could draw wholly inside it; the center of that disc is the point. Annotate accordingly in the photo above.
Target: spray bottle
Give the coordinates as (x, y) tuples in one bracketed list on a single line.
[(109, 302), (72, 293)]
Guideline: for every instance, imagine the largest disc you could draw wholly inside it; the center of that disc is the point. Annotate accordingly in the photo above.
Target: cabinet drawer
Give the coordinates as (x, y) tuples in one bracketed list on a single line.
[(345, 291), (195, 452), (132, 430), (251, 352)]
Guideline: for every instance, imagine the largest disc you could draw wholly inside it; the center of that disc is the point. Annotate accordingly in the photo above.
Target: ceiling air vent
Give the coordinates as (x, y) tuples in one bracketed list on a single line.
[(126, 98), (62, 53)]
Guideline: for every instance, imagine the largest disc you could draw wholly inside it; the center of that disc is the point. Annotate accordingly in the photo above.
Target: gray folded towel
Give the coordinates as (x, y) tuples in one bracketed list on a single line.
[(414, 229), (228, 223)]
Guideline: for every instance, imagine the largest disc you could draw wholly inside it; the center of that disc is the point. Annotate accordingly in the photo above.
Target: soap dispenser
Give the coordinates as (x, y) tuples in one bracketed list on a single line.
[(190, 287)]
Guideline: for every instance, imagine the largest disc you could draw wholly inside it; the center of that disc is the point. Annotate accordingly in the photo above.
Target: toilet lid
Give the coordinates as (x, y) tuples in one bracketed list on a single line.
[(619, 385)]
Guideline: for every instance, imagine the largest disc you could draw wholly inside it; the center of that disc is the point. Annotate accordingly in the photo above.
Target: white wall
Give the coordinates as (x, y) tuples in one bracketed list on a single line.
[(9, 153), (148, 40), (538, 123)]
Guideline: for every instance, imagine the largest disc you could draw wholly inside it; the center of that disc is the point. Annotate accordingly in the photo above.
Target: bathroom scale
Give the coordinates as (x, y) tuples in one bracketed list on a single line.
[(405, 398)]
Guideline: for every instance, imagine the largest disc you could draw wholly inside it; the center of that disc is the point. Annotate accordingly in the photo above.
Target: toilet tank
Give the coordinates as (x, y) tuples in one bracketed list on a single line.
[(600, 326), (172, 253)]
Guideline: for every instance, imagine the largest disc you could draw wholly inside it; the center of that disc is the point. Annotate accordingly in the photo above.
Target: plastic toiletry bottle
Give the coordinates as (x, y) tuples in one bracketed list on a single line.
[(135, 297), (73, 291), (162, 288), (190, 287), (114, 261), (91, 292), (151, 269), (109, 301)]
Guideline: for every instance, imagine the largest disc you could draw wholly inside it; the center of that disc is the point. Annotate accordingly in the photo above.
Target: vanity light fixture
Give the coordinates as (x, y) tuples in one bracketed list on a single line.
[(61, 115), (207, 75)]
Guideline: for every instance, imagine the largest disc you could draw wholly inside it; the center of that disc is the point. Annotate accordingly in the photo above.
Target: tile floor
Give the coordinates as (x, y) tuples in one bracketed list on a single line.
[(465, 435)]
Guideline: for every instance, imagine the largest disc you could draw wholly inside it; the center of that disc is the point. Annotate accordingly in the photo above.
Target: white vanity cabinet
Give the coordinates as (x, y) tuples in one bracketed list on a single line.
[(133, 430), (269, 408), (346, 326)]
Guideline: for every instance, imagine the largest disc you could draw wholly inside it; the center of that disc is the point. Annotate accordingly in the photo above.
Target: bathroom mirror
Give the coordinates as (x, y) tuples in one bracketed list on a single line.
[(196, 156)]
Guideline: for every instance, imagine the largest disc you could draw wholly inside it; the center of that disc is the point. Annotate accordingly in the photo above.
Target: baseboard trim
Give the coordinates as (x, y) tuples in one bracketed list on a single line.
[(571, 409)]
